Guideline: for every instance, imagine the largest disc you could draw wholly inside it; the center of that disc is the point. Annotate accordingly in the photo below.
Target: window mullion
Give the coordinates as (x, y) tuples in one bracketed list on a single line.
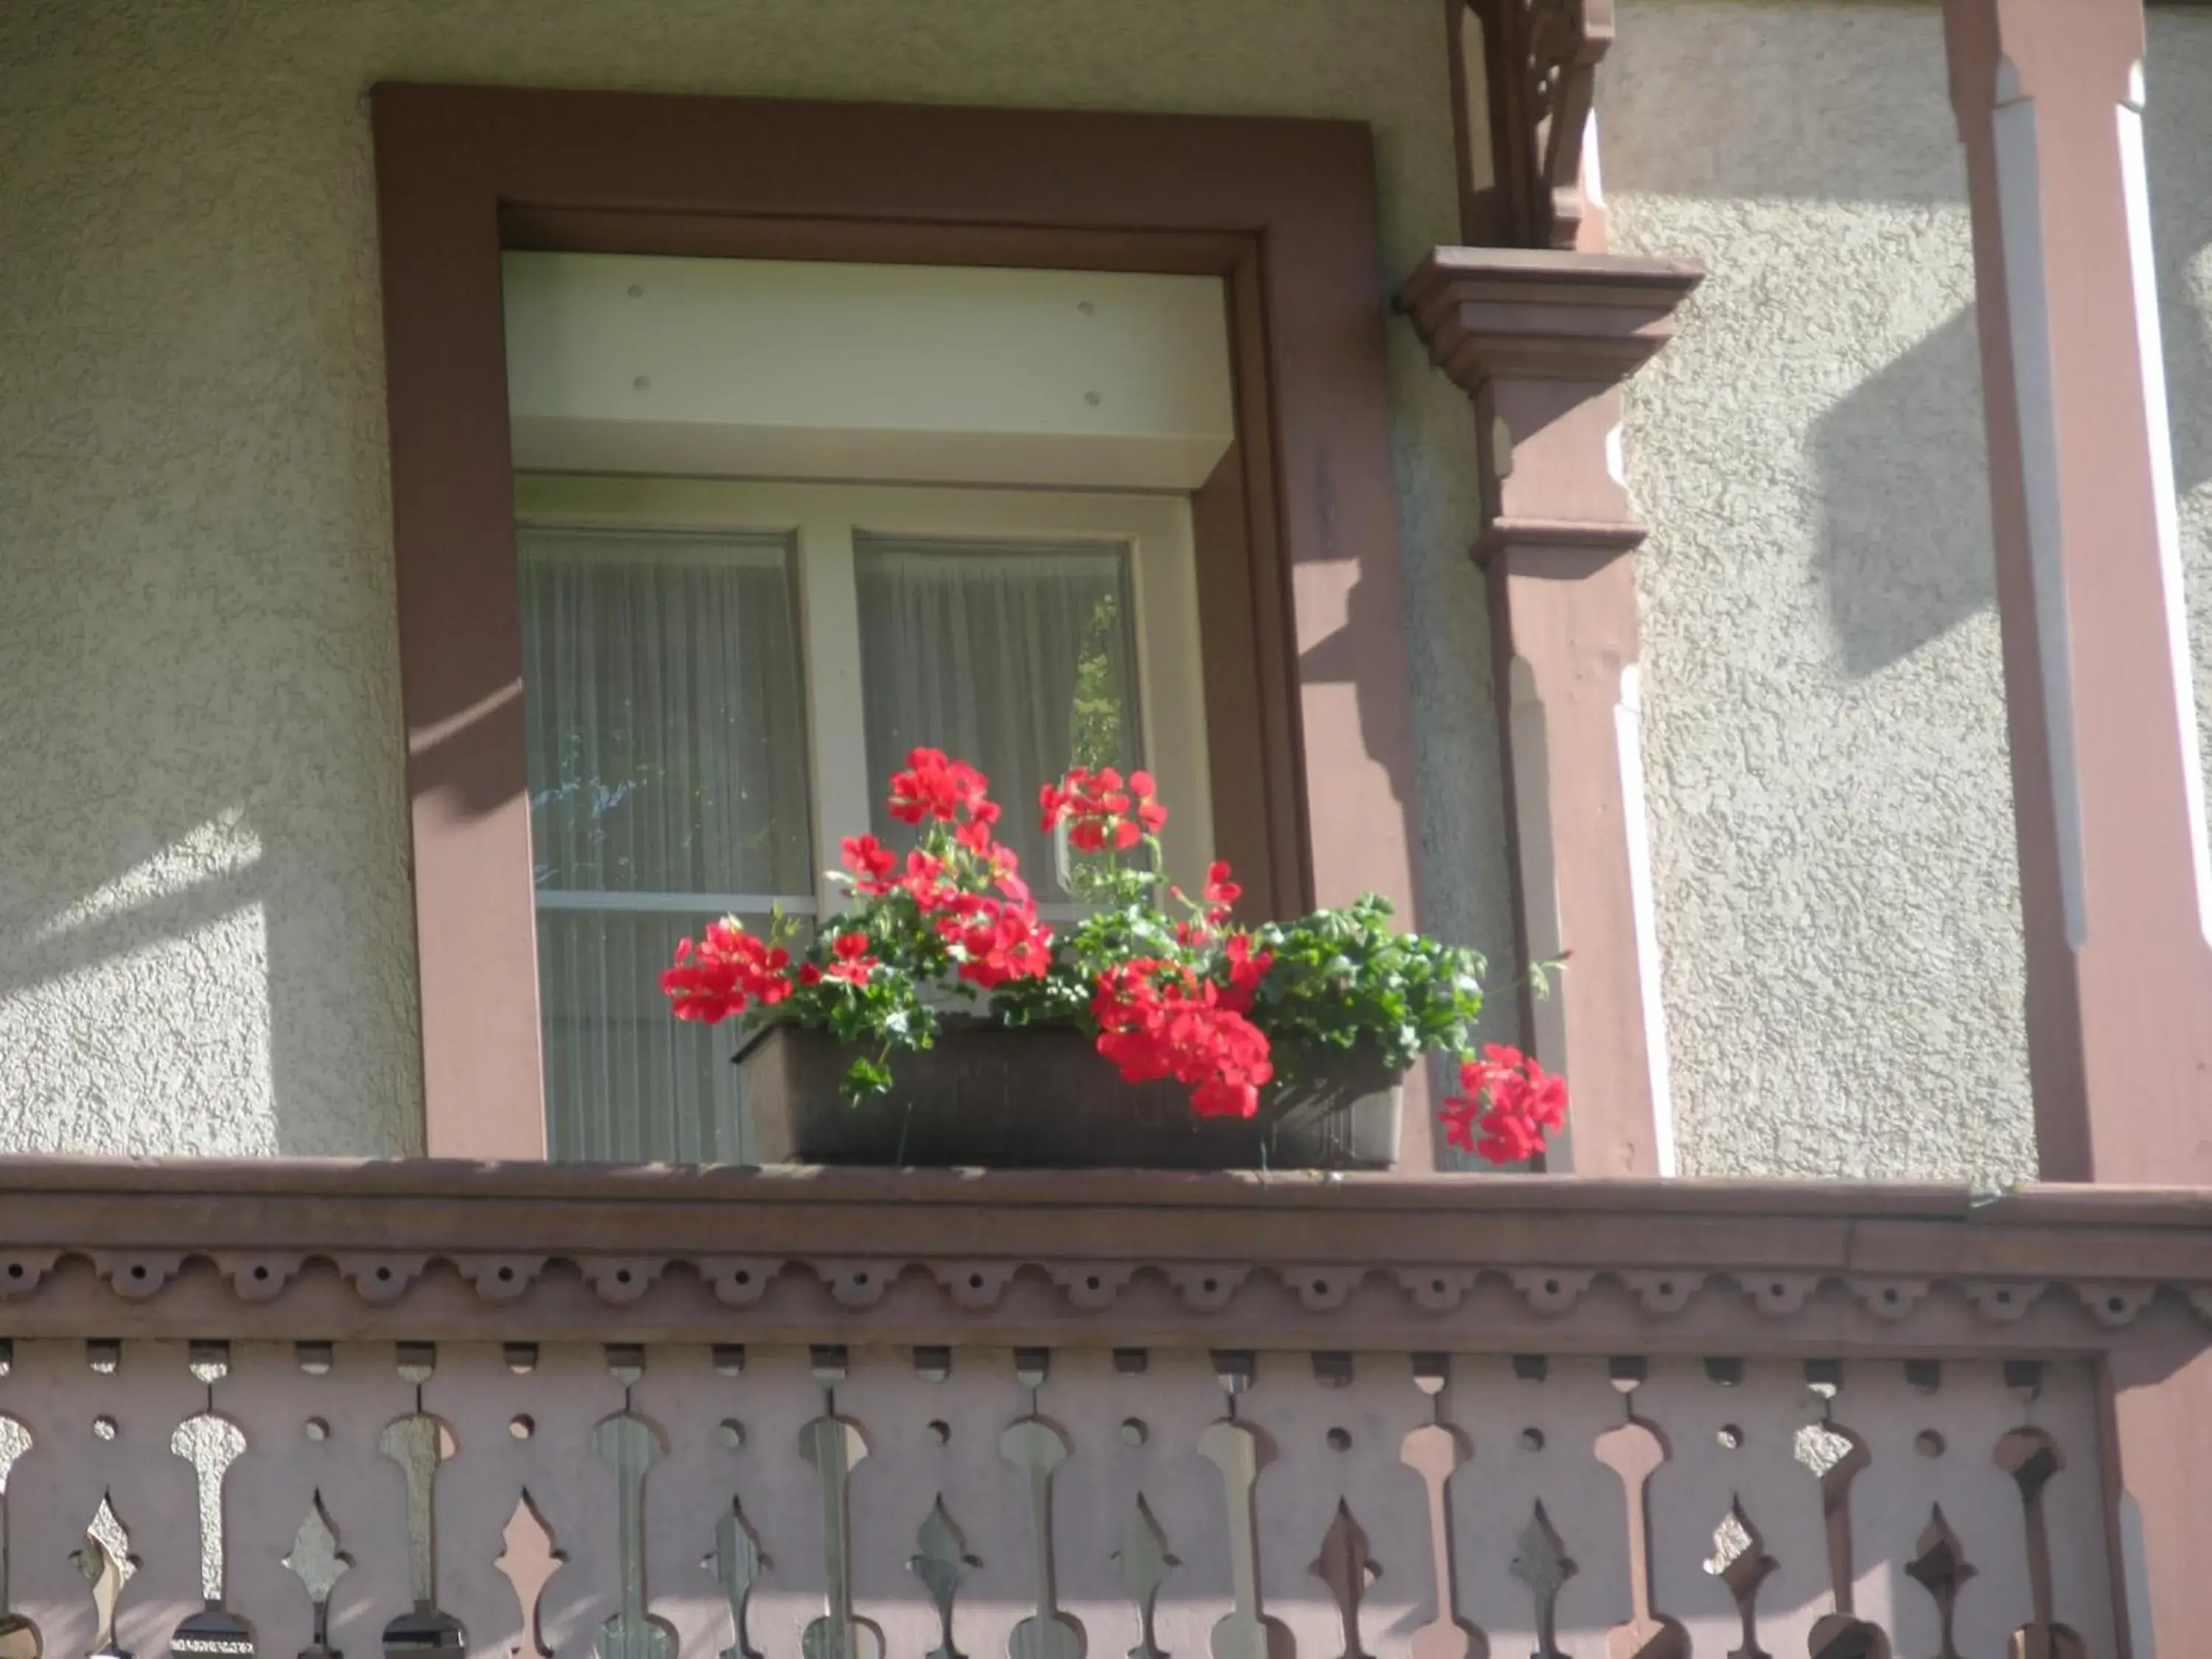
[(836, 723), (1171, 690)]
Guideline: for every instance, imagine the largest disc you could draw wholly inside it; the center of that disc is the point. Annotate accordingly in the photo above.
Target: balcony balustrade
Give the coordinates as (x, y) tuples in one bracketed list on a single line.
[(324, 1410)]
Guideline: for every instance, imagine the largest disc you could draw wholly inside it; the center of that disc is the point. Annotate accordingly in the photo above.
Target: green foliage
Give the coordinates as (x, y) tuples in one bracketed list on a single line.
[(1341, 978), (1095, 721)]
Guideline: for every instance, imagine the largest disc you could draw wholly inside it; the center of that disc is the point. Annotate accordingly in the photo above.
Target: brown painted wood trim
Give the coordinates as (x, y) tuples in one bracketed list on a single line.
[(1524, 182), (430, 1248), (1540, 342), (461, 647), (2102, 723), (1001, 1301), (1439, 1196), (1298, 542), (2098, 698), (1050, 247), (336, 1189)]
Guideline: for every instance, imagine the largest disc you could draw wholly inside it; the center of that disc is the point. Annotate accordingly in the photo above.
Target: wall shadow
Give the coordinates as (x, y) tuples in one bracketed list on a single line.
[(1903, 550)]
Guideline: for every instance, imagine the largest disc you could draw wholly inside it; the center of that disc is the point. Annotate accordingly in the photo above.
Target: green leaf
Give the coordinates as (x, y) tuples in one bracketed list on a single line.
[(864, 1078)]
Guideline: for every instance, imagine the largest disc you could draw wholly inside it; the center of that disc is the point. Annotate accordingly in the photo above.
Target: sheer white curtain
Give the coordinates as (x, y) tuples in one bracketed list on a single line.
[(1017, 659), (667, 767)]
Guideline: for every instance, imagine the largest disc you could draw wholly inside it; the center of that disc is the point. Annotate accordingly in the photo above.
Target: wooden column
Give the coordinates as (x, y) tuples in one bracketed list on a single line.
[(2113, 883), (2114, 887), (1541, 341)]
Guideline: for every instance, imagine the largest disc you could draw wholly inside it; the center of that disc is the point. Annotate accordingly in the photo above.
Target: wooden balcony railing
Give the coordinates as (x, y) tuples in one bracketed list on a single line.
[(328, 1410)]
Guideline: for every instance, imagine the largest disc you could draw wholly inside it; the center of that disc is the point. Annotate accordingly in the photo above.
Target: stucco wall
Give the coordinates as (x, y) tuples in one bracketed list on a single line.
[(2180, 78), (206, 942), (205, 931), (1830, 801)]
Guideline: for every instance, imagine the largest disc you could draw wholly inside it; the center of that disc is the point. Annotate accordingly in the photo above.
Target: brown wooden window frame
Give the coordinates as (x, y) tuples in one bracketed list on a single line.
[(1295, 529)]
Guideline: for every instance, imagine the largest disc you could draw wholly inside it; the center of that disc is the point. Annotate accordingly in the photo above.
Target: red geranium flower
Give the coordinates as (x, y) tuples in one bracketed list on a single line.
[(1220, 893), (1246, 969), (1505, 1104), (853, 963), (1159, 1020), (724, 974), (870, 863), (934, 787), (1100, 810)]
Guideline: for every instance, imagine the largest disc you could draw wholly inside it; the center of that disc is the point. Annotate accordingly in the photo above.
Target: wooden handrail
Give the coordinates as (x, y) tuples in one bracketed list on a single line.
[(314, 1248)]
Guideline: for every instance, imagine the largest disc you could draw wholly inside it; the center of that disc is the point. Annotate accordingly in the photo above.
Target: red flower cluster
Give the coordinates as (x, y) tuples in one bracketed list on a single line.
[(999, 938), (936, 787), (725, 974), (1002, 941), (1509, 1100), (1100, 811), (1160, 1020)]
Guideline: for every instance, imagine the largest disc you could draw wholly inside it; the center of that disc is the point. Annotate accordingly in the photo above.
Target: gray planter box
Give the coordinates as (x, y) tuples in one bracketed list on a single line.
[(1041, 1097)]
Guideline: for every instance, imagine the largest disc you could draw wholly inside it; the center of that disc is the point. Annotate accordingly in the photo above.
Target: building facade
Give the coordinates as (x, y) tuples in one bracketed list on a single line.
[(1708, 492)]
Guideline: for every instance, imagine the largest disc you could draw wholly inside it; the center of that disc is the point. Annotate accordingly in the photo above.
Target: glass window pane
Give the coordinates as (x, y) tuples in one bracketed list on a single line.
[(623, 1080), (667, 757), (1017, 658), (667, 726)]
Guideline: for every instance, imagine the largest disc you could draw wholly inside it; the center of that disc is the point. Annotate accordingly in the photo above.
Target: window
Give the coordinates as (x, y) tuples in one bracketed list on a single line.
[(1304, 669), (718, 676)]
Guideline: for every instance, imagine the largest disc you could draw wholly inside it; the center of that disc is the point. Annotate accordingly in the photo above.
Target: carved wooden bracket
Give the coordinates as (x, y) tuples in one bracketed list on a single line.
[(1539, 340), (1539, 63), (1493, 312)]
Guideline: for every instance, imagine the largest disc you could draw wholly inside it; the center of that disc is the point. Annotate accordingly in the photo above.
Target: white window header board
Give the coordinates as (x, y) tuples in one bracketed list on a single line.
[(921, 374)]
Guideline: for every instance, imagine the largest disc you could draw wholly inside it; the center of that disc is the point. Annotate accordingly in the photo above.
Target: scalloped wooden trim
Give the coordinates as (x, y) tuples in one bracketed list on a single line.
[(1006, 1299), (420, 1252)]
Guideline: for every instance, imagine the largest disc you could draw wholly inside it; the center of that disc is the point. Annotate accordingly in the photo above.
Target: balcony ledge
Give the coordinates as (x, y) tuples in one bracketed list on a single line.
[(424, 1250)]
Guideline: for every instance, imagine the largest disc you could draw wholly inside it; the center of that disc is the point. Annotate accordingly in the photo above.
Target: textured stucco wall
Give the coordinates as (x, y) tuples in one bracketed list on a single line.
[(1830, 801), (2180, 78), (206, 942)]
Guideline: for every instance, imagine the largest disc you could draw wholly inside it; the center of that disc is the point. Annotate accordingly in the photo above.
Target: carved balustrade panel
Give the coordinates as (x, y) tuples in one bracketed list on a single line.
[(774, 1502)]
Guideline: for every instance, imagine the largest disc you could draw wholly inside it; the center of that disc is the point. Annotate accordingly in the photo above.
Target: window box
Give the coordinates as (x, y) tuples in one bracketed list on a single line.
[(1041, 1097)]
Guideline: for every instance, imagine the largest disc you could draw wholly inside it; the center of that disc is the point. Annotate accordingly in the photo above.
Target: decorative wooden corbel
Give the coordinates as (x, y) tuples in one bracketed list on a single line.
[(1537, 61), (1541, 340)]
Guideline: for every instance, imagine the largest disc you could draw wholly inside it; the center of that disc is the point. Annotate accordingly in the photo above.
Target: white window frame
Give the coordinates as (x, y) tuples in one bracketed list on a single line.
[(822, 521)]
